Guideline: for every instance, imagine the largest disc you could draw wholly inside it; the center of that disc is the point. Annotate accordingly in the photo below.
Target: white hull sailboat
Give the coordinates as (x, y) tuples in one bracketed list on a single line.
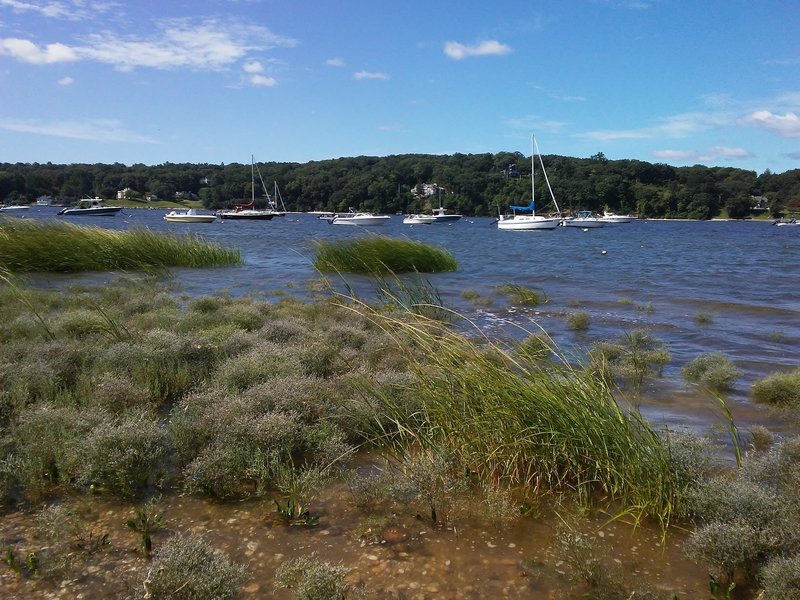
[(532, 221), (249, 211)]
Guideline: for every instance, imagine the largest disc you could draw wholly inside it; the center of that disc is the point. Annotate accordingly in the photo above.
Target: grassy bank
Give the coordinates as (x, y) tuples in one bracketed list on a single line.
[(50, 246)]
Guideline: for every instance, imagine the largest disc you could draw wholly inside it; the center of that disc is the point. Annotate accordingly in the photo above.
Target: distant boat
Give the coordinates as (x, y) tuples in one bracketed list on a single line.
[(532, 221), (92, 207), (419, 219), (358, 218), (249, 211), (15, 208), (189, 216), (584, 219), (611, 217)]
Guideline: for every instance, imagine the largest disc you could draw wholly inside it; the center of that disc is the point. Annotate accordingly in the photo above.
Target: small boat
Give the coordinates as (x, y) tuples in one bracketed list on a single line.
[(92, 207), (611, 217), (358, 218), (440, 216), (249, 211), (584, 219), (419, 219), (789, 223), (532, 221), (189, 216), (15, 208)]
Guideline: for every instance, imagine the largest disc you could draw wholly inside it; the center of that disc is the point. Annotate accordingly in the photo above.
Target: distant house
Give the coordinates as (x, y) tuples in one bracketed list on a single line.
[(151, 197), (123, 194), (425, 190), (759, 203), (186, 196)]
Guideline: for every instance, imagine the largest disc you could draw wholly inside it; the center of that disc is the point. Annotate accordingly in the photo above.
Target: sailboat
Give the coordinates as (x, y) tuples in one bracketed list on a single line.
[(525, 221), (249, 211)]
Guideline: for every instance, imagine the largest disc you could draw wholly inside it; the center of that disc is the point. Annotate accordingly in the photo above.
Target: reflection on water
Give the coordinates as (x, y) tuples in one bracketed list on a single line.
[(656, 275)]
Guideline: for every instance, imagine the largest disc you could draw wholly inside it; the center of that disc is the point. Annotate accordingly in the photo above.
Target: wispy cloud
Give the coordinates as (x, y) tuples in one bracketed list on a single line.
[(458, 51), (530, 123), (27, 51), (253, 67), (675, 126), (787, 125), (712, 156), (259, 80), (66, 81), (75, 10), (335, 62), (369, 75), (177, 43), (95, 130)]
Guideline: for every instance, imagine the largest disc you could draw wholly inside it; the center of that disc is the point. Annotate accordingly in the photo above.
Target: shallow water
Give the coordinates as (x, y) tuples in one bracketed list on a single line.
[(656, 275)]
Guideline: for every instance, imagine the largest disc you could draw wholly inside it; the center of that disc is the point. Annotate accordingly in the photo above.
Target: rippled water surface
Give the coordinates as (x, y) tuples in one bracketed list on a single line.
[(744, 277)]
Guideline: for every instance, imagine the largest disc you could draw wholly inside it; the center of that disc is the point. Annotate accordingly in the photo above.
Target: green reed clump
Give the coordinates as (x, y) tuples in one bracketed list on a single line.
[(187, 567), (778, 389), (50, 246), (578, 321), (522, 294), (711, 370), (550, 429), (633, 357), (380, 254)]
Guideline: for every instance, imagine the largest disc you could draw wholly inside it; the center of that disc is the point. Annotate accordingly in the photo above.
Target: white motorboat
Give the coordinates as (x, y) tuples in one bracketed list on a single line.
[(358, 218), (418, 220), (90, 207), (611, 217), (440, 216), (249, 211), (789, 223), (15, 208), (189, 216), (532, 221), (584, 219)]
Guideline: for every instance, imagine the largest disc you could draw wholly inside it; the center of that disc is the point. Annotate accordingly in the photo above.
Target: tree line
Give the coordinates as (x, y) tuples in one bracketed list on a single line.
[(471, 184)]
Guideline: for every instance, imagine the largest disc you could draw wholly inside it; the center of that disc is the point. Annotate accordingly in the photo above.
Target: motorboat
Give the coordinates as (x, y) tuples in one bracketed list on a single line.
[(584, 219), (91, 207), (419, 219), (189, 216), (440, 216), (358, 218), (15, 208), (611, 217), (524, 218), (789, 223)]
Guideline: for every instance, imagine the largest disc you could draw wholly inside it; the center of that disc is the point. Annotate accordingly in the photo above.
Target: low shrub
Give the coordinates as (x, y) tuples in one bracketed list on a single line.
[(313, 579), (778, 389), (185, 567), (713, 371), (780, 578), (578, 321)]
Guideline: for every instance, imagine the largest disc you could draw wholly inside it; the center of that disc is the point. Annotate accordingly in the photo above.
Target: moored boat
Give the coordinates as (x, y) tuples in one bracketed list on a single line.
[(531, 222), (358, 218), (418, 219), (90, 207), (584, 219), (612, 217), (189, 216)]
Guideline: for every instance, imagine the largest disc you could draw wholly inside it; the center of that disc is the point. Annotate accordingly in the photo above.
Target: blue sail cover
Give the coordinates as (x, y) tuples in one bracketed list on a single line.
[(529, 207)]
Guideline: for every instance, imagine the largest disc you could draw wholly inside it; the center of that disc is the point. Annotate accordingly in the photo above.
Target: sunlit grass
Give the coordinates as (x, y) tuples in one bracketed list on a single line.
[(48, 246), (381, 255)]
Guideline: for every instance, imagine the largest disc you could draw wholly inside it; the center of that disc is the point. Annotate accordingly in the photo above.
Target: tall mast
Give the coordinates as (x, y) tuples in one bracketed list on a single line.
[(533, 185)]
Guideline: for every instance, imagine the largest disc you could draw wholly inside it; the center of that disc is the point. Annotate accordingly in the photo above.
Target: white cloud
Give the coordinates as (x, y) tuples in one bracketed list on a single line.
[(253, 67), (74, 10), (27, 51), (682, 155), (713, 156), (675, 126), (66, 81), (261, 81), (728, 152), (210, 45), (787, 125), (369, 75), (458, 51), (95, 130), (335, 62)]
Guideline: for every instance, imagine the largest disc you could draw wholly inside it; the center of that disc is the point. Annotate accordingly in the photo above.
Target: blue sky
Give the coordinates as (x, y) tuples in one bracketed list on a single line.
[(714, 82)]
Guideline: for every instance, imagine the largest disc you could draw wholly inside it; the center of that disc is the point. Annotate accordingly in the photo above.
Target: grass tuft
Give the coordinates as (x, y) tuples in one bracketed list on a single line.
[(381, 255)]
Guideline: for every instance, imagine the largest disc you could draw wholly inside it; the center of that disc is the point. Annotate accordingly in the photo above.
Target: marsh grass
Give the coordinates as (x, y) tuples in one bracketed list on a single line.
[(50, 246), (311, 578), (381, 255), (778, 389), (633, 357), (578, 321), (713, 371), (523, 295), (549, 430)]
